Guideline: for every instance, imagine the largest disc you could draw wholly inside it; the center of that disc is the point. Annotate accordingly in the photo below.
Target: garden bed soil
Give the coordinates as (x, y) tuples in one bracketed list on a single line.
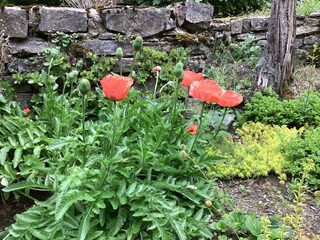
[(15, 206), (266, 197)]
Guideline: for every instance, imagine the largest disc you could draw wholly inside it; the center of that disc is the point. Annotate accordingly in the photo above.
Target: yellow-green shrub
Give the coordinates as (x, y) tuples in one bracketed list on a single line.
[(258, 152)]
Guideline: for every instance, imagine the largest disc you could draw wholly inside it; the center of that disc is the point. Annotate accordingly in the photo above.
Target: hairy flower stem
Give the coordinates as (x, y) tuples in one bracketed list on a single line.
[(174, 102), (199, 129), (133, 62), (120, 63), (220, 124), (84, 159), (114, 125), (155, 87)]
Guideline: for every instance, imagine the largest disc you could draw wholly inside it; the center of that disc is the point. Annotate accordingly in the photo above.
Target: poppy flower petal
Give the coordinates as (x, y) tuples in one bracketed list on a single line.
[(206, 90), (190, 76), (193, 128), (116, 88), (230, 99)]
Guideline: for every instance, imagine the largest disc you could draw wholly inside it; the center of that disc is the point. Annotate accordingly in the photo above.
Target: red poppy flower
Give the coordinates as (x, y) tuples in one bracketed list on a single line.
[(206, 90), (190, 76), (193, 128), (230, 99), (116, 88), (156, 69), (26, 110)]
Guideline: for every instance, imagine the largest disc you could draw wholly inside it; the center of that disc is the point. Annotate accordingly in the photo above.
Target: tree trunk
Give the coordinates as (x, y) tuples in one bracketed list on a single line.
[(277, 68)]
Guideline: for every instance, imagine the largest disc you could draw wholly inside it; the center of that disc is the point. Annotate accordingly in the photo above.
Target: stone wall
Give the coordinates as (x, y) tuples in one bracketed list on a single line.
[(188, 24)]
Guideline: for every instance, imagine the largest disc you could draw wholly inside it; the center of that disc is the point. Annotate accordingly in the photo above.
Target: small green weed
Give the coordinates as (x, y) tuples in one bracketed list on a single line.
[(306, 7)]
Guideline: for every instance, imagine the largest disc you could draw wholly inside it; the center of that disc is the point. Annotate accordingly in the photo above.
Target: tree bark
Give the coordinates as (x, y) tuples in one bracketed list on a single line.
[(277, 68)]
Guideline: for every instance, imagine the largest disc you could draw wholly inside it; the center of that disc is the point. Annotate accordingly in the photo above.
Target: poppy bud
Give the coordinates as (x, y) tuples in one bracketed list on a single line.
[(84, 86), (137, 44), (133, 74), (178, 69), (72, 75), (79, 64), (119, 53)]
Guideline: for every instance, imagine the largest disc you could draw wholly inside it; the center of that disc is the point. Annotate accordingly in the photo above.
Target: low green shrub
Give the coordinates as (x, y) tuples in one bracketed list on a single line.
[(306, 7), (249, 227), (301, 150), (258, 152), (227, 7), (149, 57), (293, 113)]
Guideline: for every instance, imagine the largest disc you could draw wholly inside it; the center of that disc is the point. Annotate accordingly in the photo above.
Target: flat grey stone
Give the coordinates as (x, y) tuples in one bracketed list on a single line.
[(14, 22), (257, 36), (310, 40), (22, 65), (246, 25), (29, 46), (236, 26), (144, 22), (312, 21), (306, 30), (106, 47), (68, 20), (219, 26), (316, 14), (259, 24), (198, 12)]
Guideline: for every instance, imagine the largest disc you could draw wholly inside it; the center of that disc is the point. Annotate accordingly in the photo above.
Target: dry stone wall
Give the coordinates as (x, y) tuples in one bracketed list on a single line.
[(186, 24)]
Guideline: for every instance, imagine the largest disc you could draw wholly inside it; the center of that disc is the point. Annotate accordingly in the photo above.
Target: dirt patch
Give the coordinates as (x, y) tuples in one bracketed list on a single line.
[(304, 78), (266, 197), (12, 207), (15, 206)]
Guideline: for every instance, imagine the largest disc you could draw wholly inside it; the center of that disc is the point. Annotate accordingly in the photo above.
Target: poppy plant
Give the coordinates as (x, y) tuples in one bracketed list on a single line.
[(189, 77), (193, 128), (230, 99), (116, 88), (207, 90)]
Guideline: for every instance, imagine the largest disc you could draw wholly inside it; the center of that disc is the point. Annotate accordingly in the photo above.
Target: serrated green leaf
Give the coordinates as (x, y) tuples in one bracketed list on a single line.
[(37, 151), (68, 199), (3, 154), (8, 169), (102, 217), (12, 142), (179, 230), (21, 139), (22, 185), (85, 224), (60, 144), (17, 157), (38, 234), (25, 217), (131, 189), (199, 214), (115, 226)]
